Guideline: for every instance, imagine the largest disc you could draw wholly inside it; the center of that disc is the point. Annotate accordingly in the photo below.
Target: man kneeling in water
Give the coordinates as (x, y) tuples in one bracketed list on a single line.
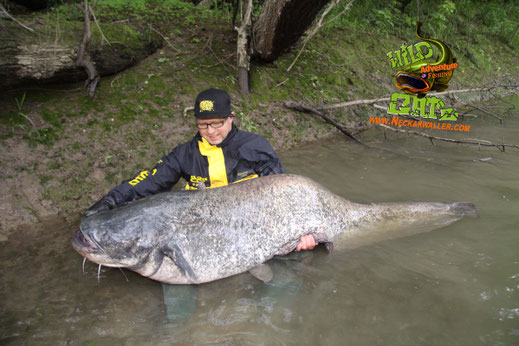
[(218, 155)]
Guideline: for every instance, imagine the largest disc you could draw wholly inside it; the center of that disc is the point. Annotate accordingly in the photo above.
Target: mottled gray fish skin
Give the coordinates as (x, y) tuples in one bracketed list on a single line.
[(191, 237)]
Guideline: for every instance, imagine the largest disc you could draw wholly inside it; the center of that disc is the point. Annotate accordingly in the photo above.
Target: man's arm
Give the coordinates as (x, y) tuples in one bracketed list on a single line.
[(145, 183), (263, 155)]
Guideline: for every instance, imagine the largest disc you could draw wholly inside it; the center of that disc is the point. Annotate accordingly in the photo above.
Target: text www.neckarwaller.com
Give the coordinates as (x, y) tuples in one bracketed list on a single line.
[(396, 121)]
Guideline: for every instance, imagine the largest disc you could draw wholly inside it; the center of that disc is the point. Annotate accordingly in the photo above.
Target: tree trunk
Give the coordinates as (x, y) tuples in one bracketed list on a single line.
[(243, 49), (281, 24), (49, 55)]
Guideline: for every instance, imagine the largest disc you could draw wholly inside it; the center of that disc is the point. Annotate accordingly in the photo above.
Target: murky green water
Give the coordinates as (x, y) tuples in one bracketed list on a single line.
[(455, 286)]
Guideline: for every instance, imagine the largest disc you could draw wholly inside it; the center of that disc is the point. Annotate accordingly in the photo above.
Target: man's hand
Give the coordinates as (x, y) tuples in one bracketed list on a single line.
[(307, 243), (105, 203)]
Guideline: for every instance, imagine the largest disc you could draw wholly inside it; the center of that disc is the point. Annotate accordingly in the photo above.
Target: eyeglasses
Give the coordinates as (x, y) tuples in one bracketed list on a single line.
[(214, 125)]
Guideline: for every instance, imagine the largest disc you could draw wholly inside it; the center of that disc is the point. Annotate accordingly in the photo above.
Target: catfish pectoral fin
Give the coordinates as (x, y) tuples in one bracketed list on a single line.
[(175, 254), (262, 272)]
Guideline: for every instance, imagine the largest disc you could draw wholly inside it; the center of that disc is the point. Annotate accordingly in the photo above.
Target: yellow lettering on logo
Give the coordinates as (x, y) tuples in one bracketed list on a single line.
[(195, 179), (206, 106)]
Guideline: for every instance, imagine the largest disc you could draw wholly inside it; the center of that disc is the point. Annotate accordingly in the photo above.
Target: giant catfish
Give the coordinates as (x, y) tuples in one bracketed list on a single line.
[(191, 237)]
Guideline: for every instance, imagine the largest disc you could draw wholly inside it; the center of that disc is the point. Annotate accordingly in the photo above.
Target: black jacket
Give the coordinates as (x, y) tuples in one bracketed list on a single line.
[(242, 155)]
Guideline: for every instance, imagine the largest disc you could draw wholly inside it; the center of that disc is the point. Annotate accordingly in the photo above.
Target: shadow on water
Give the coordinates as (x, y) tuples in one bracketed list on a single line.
[(458, 285)]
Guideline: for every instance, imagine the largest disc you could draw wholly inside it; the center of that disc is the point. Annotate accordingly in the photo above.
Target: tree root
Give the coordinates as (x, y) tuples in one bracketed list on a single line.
[(84, 61)]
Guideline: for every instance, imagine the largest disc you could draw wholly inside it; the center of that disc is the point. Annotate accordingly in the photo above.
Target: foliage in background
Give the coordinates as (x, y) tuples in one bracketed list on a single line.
[(143, 11), (498, 19)]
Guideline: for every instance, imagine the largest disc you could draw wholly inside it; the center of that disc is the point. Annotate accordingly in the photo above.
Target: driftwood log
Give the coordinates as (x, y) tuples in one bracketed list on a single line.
[(48, 55)]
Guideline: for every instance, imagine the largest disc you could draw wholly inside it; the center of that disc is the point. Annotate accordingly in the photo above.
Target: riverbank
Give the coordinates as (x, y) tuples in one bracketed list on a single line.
[(62, 150)]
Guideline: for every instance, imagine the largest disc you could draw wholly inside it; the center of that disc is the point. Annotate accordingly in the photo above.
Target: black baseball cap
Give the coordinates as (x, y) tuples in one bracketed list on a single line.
[(213, 103)]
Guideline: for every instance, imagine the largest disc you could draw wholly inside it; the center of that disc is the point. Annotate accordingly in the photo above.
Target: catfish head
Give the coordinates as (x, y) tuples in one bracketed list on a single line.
[(119, 238)]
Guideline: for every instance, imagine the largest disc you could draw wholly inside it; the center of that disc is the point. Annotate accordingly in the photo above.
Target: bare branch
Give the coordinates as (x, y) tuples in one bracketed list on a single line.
[(512, 86), (473, 141), (281, 83), (484, 111), (169, 44), (103, 38), (302, 108), (358, 102), (7, 15), (380, 107), (187, 109), (319, 25)]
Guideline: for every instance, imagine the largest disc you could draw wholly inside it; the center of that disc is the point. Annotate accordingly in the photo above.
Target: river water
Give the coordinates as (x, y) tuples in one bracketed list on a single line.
[(458, 285)]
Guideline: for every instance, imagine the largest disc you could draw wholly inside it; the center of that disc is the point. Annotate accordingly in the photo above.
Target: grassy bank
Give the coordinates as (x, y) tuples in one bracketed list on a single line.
[(63, 150)]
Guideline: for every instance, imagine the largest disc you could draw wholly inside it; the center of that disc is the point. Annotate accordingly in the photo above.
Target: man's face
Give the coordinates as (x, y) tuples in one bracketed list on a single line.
[(215, 135)]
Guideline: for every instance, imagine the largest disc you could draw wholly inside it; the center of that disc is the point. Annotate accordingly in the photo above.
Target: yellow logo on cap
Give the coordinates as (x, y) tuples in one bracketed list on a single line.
[(206, 106)]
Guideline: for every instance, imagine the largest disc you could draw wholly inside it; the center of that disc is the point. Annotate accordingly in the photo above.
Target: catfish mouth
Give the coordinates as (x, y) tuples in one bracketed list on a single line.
[(89, 248), (83, 243), (411, 83)]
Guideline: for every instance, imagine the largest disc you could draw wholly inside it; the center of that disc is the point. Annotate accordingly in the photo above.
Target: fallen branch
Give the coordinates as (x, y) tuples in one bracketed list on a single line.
[(367, 101), (283, 82), (380, 107), (103, 38), (319, 25), (512, 86), (187, 109), (302, 108), (7, 15), (169, 44), (353, 103), (473, 141), (484, 111)]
